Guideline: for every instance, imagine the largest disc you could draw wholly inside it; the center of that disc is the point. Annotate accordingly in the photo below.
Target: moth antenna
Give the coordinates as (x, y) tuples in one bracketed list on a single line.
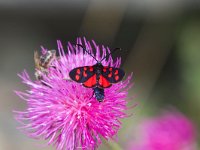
[(86, 51), (110, 53)]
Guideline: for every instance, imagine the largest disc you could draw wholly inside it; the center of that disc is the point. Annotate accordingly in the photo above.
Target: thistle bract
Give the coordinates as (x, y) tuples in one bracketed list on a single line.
[(64, 112)]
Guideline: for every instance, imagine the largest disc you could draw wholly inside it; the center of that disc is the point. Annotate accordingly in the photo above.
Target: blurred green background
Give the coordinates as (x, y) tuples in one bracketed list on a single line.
[(160, 42)]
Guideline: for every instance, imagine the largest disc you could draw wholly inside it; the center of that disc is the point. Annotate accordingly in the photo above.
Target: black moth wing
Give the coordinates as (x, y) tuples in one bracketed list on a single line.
[(112, 74), (81, 74)]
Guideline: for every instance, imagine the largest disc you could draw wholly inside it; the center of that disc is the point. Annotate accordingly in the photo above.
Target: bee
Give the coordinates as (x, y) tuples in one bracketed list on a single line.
[(43, 62)]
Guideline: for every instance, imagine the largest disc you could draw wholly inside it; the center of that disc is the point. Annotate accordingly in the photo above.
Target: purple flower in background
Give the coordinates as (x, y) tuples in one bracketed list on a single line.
[(169, 131), (64, 112)]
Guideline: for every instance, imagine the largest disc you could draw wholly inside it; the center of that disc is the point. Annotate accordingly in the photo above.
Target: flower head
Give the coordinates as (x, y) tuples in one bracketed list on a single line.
[(169, 131), (63, 111)]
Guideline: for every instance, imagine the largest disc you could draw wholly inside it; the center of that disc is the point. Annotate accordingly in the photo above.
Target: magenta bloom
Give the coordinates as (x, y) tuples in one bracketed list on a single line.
[(170, 131), (62, 111)]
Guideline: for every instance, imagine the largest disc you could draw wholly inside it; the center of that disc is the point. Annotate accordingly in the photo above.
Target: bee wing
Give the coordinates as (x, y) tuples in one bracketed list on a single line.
[(37, 60)]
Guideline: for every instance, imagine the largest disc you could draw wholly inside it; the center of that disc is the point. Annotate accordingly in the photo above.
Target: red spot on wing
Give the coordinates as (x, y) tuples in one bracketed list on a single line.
[(91, 68), (91, 82), (78, 71), (110, 69), (77, 77), (116, 72), (117, 78), (85, 68), (105, 68), (103, 82), (110, 75), (84, 74)]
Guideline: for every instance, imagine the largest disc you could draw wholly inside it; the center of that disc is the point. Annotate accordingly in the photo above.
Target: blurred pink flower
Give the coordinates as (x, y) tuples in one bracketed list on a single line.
[(169, 131), (62, 111)]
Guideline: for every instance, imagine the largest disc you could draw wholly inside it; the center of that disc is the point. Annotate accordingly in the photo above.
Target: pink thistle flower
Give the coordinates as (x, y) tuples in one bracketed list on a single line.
[(62, 111), (169, 131)]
